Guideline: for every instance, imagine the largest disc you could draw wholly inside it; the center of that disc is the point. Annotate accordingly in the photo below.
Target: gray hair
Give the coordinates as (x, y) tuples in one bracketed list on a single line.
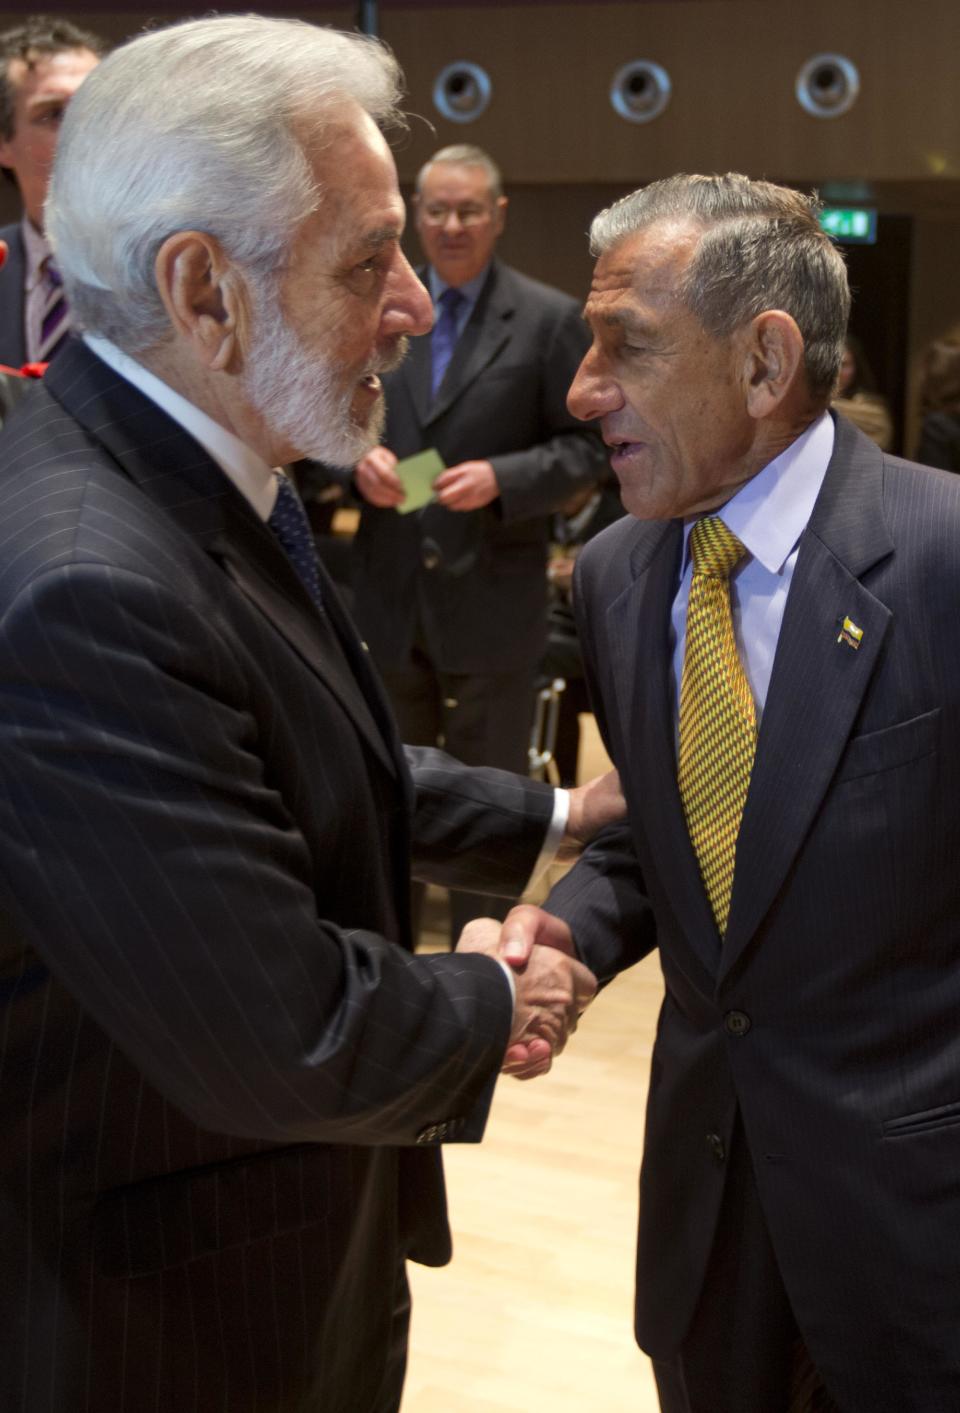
[(197, 127), (464, 154), (762, 247)]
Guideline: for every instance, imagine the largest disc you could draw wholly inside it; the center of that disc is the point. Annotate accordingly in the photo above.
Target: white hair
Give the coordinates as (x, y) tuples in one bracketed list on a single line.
[(199, 126)]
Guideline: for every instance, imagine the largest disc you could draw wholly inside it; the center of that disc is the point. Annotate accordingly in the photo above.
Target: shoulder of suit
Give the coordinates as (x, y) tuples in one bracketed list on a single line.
[(82, 485), (526, 289), (608, 551)]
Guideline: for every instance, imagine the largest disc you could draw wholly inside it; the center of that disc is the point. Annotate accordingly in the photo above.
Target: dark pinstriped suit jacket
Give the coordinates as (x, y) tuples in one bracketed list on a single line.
[(207, 1032), (831, 1014)]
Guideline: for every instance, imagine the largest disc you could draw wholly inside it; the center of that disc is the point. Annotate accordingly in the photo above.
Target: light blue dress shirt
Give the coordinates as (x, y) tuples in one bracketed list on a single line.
[(768, 515), (470, 291)]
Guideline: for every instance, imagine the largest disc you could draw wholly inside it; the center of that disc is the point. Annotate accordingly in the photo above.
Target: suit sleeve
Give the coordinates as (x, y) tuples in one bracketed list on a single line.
[(475, 827), (147, 860), (604, 898), (539, 479)]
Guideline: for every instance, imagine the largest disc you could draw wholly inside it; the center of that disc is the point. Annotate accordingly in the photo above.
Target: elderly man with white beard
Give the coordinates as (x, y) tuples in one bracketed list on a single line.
[(225, 1076)]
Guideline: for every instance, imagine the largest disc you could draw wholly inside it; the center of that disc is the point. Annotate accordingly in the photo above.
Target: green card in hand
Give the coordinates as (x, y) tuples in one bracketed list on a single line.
[(418, 474)]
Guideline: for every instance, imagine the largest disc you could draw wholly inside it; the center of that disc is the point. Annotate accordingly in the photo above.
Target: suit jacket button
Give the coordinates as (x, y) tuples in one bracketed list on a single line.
[(737, 1023), (430, 555), (715, 1144)]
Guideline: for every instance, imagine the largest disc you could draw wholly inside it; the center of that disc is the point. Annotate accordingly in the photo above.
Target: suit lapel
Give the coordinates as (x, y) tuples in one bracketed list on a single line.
[(818, 683), (642, 682), (416, 372), (177, 474), (487, 332)]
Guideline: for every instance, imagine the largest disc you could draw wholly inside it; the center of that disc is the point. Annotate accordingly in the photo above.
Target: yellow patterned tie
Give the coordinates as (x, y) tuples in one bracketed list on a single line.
[(718, 721)]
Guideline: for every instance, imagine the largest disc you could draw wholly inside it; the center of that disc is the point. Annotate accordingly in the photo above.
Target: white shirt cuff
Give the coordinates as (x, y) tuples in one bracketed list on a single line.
[(554, 837), (511, 981)]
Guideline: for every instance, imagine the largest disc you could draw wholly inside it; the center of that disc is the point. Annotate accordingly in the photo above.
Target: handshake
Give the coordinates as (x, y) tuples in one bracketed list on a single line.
[(553, 988)]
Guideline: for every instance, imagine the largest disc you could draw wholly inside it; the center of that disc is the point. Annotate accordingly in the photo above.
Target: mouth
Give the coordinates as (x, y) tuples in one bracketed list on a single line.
[(621, 452)]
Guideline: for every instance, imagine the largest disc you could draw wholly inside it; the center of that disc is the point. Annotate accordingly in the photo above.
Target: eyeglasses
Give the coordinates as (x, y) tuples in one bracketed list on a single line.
[(436, 215)]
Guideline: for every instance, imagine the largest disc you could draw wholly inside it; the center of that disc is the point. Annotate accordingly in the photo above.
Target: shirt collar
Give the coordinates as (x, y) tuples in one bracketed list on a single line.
[(253, 478), (770, 513), (37, 252)]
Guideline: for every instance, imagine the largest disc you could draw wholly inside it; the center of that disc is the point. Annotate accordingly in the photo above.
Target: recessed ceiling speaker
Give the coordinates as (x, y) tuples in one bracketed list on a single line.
[(640, 91), (462, 92), (828, 85)]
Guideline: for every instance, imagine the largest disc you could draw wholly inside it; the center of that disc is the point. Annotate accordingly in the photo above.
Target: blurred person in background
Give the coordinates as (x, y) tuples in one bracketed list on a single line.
[(43, 61), (857, 396), (452, 598), (939, 443)]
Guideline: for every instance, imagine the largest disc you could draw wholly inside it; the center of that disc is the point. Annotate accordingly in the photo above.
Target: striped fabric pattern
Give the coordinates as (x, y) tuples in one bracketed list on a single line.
[(217, 1055), (56, 315), (718, 725)]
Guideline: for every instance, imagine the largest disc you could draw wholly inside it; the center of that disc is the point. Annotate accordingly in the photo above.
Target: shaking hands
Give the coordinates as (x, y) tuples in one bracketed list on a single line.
[(553, 988)]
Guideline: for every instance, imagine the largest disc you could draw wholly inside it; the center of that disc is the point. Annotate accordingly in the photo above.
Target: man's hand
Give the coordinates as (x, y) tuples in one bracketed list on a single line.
[(468, 486), (592, 806), (553, 989), (376, 479)]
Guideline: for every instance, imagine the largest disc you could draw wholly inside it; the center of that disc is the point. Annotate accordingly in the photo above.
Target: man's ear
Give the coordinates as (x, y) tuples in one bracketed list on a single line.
[(204, 296), (500, 214), (773, 360)]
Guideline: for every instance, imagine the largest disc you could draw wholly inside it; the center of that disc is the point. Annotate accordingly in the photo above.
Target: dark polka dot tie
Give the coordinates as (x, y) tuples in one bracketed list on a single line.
[(288, 521)]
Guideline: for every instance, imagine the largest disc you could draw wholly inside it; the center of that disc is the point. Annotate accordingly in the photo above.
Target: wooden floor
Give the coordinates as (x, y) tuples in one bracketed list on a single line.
[(536, 1309)]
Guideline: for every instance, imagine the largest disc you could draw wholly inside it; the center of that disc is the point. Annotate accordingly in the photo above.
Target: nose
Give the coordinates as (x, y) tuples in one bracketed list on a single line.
[(452, 215), (409, 310), (593, 392)]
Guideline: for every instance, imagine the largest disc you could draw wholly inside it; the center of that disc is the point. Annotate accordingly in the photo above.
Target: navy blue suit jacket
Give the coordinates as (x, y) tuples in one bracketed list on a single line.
[(829, 1014), (224, 1076)]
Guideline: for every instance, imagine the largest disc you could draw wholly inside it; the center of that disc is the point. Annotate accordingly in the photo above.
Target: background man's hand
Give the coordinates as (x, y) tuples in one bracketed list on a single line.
[(376, 479), (468, 486), (592, 806), (553, 989)]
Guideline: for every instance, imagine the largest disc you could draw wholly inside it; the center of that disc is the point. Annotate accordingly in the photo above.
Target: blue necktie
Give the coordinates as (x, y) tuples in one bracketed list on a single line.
[(443, 340), (288, 521)]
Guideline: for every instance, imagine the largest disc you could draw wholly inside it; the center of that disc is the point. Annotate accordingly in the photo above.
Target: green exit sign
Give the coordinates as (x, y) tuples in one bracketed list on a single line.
[(856, 224)]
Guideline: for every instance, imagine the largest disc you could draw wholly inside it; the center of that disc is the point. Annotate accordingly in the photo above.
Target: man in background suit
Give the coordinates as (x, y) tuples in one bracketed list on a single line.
[(43, 61), (452, 599), (225, 1078), (788, 735), (14, 384)]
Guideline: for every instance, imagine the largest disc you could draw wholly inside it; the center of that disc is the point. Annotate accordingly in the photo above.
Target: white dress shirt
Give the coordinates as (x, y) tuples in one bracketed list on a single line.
[(768, 515)]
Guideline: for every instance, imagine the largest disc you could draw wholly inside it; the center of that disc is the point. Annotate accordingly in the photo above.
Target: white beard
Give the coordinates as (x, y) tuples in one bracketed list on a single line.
[(295, 392)]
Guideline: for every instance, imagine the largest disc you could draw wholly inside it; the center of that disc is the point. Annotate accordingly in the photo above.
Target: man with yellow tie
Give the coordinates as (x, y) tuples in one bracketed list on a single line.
[(772, 638)]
